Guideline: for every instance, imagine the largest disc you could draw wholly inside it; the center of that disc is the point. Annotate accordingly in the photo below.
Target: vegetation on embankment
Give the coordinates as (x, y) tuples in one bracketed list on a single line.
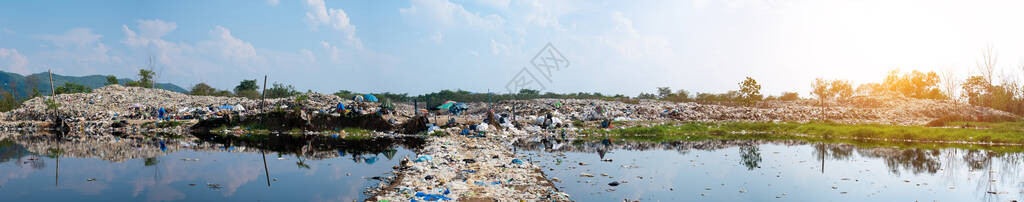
[(962, 132)]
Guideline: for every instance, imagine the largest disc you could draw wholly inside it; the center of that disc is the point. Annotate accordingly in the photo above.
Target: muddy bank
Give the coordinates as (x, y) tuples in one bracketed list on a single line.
[(281, 121), (306, 143)]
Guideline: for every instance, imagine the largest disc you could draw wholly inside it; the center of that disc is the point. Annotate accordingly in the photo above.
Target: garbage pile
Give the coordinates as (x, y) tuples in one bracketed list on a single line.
[(468, 168), (103, 106), (883, 110), (107, 105)]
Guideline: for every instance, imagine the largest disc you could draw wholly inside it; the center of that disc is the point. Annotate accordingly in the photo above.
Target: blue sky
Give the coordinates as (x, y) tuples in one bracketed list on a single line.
[(418, 46)]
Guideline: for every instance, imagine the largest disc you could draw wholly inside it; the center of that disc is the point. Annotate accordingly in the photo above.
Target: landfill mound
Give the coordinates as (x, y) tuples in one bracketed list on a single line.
[(137, 103), (861, 109), (113, 103)]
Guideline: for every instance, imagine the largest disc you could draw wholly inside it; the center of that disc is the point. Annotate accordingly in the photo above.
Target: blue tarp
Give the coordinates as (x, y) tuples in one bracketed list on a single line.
[(228, 107), (161, 113), (458, 108), (341, 107), (370, 98)]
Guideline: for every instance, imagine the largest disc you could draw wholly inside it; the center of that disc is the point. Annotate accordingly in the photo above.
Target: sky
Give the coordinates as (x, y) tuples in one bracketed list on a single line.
[(421, 46)]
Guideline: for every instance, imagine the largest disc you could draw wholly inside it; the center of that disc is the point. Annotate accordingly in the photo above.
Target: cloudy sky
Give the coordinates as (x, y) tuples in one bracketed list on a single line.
[(420, 46)]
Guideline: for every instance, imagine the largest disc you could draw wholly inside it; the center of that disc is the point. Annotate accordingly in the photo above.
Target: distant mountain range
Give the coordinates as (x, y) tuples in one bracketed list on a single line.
[(42, 82)]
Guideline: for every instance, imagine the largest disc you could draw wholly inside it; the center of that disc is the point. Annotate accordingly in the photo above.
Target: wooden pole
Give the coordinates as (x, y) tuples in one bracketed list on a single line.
[(53, 98), (263, 103)]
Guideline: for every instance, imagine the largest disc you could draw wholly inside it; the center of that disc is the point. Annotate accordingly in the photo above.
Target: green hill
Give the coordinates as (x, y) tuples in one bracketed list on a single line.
[(41, 81)]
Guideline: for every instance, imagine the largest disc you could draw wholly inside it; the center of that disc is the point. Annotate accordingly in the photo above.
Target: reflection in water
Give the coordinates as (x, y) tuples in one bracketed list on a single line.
[(751, 156), (990, 173), (188, 167)]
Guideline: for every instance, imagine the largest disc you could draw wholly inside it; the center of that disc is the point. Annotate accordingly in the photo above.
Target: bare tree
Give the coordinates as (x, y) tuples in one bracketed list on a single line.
[(949, 83), (987, 65)]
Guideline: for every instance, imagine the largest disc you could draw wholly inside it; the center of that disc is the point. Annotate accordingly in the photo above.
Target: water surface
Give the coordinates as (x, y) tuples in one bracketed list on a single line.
[(761, 170), (37, 167)]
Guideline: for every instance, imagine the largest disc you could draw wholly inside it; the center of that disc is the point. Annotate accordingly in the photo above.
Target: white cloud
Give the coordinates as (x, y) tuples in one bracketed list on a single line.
[(319, 14), (273, 2), (544, 14), (498, 48), (498, 4), (231, 48), (446, 13), (631, 43), (75, 36), (437, 37), (80, 45), (308, 55), (11, 60), (155, 28), (332, 52)]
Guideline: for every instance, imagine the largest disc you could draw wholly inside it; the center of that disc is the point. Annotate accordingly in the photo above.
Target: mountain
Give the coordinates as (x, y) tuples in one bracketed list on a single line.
[(41, 81)]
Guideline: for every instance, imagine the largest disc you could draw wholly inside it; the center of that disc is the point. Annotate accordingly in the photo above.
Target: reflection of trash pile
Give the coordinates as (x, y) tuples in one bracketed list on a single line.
[(106, 147), (120, 148)]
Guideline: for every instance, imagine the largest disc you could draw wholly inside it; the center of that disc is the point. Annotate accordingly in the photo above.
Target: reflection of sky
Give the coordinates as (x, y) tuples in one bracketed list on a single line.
[(240, 175), (794, 170)]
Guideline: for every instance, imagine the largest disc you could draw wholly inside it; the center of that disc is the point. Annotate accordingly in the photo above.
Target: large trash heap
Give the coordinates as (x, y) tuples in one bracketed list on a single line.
[(862, 109), (115, 102), (133, 103)]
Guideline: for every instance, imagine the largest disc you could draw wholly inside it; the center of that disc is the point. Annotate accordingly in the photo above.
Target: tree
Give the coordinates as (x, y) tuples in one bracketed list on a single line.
[(33, 82), (841, 88), (820, 88), (949, 84), (647, 96), (527, 92), (202, 89), (145, 79), (8, 102), (247, 88), (750, 90), (664, 92), (70, 87), (280, 90), (111, 79), (914, 84), (681, 95), (987, 65), (789, 96)]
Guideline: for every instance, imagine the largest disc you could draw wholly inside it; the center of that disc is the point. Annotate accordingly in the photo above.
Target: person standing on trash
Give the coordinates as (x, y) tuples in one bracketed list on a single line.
[(160, 113)]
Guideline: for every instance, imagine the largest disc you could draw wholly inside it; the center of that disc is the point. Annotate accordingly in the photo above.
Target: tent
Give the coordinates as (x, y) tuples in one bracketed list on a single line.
[(370, 98), (446, 105), (358, 98)]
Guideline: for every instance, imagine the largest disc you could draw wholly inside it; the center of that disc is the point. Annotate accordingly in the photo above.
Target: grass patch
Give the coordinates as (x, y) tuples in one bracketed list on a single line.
[(168, 124), (356, 131), (979, 132)]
